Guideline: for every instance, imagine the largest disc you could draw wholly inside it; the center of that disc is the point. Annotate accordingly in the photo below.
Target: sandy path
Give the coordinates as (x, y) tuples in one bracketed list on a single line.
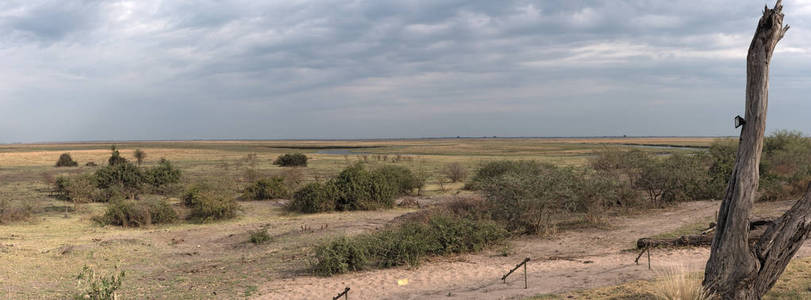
[(577, 260)]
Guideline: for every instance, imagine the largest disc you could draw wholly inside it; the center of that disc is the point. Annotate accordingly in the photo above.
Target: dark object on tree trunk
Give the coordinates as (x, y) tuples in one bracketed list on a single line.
[(736, 269)]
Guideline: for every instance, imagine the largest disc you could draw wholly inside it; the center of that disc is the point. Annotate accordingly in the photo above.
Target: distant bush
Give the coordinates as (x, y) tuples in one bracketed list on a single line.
[(527, 200), (266, 188), (115, 157), (162, 175), (495, 169), (131, 213), (313, 198), (123, 175), (66, 161), (401, 178), (356, 188), (291, 160), (60, 189), (406, 244), (90, 164), (81, 188), (455, 172), (786, 165), (259, 236), (209, 203), (139, 155)]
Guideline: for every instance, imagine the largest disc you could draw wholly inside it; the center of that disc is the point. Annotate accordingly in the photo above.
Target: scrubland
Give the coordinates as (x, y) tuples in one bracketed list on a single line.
[(433, 218)]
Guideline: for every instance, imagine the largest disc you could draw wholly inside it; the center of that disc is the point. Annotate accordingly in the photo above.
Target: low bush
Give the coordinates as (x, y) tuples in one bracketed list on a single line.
[(358, 189), (455, 172), (266, 188), (495, 169), (400, 177), (313, 198), (131, 213), (125, 175), (209, 203), (96, 287), (162, 175), (291, 160), (66, 161), (115, 157), (527, 201), (341, 255), (406, 244), (259, 236)]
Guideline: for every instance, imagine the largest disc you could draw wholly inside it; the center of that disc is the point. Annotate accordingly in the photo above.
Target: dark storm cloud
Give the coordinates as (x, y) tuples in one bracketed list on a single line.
[(350, 69)]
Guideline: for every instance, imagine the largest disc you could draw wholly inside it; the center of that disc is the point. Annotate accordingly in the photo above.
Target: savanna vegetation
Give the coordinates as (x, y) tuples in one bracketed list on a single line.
[(207, 193)]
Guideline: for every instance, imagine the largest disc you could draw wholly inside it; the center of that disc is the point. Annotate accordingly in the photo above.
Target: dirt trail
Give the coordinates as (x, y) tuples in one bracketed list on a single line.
[(578, 259)]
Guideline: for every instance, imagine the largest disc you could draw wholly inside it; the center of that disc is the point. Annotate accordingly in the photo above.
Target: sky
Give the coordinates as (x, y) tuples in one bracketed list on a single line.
[(257, 69)]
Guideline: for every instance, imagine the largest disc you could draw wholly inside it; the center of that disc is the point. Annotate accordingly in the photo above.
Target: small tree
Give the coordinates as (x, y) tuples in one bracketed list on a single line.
[(139, 155), (115, 157), (66, 161), (456, 172)]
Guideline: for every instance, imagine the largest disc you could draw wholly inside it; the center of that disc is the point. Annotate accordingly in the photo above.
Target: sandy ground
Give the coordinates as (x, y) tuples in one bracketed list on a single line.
[(575, 260)]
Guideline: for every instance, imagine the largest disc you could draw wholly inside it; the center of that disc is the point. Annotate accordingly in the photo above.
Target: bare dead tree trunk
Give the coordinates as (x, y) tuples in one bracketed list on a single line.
[(737, 269)]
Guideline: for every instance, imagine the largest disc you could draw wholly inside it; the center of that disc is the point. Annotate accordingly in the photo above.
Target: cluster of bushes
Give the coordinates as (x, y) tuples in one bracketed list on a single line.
[(526, 195), (785, 169), (406, 244), (356, 188), (209, 203), (119, 178), (119, 183), (678, 177), (137, 213), (291, 160)]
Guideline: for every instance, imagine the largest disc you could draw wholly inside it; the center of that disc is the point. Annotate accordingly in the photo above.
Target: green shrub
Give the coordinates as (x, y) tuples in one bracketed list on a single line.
[(313, 198), (400, 177), (260, 236), (406, 244), (291, 160), (163, 174), (96, 287), (786, 165), (61, 188), (358, 189), (81, 188), (527, 201), (341, 255), (266, 188), (495, 169), (722, 156), (128, 177), (131, 213), (115, 157), (66, 161), (209, 203)]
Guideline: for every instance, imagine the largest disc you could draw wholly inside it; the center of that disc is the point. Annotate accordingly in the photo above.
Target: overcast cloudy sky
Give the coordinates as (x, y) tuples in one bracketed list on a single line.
[(148, 69)]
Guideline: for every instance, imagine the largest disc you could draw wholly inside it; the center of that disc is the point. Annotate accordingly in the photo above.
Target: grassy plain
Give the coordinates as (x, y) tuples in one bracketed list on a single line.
[(43, 255)]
